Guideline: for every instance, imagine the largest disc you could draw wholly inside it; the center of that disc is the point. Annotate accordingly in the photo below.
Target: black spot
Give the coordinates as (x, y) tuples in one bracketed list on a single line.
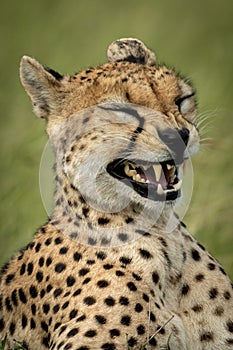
[(12, 328), (227, 295), (63, 250), (41, 261), (211, 266), (73, 313), (49, 288), (145, 297), (89, 301), (32, 323), (100, 319), (8, 304), (163, 241), (153, 341), (83, 272), (124, 301), (90, 262), (101, 255), (70, 281), (143, 233), (108, 346), (102, 284), (42, 293), (83, 348), (152, 317), (125, 260), (72, 332), (77, 256), (230, 326), (85, 211), (103, 221), (109, 301), (199, 277), (58, 240), (46, 308), (213, 292), (30, 269), (57, 292), (37, 247), (59, 267), (197, 308), (219, 311), (120, 273), (185, 289), (81, 318), (68, 346), (24, 321), (39, 276), (207, 337), (138, 307), (56, 308), (22, 296), (145, 254), (128, 220), (155, 277), (132, 341), (33, 291), (131, 286), (92, 241), (48, 241), (87, 280), (33, 309), (229, 341), (140, 329), (123, 237), (195, 255), (77, 292), (201, 246), (136, 277), (125, 320), (108, 266), (65, 305), (48, 261), (90, 334), (114, 333), (22, 269), (9, 278), (13, 298)]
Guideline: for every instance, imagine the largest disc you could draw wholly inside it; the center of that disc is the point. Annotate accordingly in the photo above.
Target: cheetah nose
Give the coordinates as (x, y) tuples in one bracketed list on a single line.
[(176, 140)]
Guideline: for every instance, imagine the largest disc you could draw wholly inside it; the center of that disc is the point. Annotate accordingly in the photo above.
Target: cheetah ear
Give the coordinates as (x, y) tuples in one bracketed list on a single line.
[(42, 86), (131, 50)]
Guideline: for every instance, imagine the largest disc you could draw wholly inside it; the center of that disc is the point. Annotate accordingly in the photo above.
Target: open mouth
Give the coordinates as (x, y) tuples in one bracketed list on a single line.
[(159, 181)]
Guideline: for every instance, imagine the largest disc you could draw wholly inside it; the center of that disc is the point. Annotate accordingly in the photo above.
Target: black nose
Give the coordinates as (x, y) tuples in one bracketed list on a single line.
[(176, 140)]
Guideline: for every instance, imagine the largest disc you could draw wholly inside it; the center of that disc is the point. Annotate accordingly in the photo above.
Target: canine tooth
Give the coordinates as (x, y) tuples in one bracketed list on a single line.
[(126, 169), (132, 172), (178, 185), (169, 166), (138, 177), (157, 169), (160, 190), (146, 167), (143, 180)]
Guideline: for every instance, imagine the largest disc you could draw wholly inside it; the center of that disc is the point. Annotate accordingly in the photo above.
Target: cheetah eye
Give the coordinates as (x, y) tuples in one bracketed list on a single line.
[(187, 106)]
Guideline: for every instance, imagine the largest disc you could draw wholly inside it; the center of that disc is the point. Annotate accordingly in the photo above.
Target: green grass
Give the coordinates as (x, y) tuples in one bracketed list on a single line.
[(194, 36)]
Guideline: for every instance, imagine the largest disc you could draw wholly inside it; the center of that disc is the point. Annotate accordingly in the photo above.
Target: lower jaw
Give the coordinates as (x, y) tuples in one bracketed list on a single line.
[(149, 192)]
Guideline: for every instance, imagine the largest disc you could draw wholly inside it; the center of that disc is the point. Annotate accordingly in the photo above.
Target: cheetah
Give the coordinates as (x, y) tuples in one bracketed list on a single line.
[(114, 267)]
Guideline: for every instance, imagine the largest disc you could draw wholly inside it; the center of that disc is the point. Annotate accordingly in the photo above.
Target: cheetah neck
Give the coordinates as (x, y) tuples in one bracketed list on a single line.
[(76, 218)]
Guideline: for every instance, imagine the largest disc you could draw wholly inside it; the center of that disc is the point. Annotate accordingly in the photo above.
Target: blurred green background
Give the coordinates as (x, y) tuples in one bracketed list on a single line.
[(196, 37)]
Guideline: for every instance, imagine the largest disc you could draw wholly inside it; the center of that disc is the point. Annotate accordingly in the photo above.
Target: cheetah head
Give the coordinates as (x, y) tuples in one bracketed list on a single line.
[(121, 132)]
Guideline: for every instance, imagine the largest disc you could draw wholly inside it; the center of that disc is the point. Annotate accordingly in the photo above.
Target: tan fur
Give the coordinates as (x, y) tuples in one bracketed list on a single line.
[(105, 272)]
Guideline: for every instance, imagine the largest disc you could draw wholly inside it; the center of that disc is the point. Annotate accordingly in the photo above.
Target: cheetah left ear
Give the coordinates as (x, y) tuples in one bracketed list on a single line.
[(130, 50), (43, 86)]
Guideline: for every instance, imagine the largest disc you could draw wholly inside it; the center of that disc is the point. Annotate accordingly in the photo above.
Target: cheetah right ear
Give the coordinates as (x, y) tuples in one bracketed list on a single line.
[(42, 86), (130, 50)]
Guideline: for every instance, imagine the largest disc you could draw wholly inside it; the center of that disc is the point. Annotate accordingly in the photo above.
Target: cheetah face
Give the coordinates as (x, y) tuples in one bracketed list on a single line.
[(121, 132)]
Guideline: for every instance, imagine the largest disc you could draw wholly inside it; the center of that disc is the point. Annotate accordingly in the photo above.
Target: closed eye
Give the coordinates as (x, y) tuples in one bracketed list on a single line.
[(187, 106)]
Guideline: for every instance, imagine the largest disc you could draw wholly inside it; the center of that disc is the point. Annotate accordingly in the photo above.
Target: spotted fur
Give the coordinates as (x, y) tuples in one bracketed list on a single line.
[(114, 278)]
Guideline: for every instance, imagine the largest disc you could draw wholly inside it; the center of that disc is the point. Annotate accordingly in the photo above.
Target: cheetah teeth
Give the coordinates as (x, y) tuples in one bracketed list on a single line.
[(130, 170)]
